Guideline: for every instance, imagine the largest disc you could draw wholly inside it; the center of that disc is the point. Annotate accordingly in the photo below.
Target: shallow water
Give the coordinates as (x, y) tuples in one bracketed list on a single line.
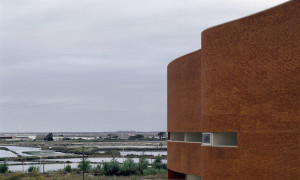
[(154, 153), (47, 167), (4, 153), (99, 160), (130, 146), (21, 149), (19, 162), (37, 151)]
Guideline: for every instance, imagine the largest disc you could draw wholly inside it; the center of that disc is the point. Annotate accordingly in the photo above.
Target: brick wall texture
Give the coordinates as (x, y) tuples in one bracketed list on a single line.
[(245, 79), (184, 93)]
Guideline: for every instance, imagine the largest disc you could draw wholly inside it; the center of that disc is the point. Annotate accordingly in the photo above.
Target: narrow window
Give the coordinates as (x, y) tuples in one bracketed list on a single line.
[(176, 136), (224, 139), (193, 137), (206, 138), (192, 177)]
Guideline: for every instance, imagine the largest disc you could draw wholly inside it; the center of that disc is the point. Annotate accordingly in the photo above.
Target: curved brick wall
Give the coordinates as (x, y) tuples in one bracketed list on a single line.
[(184, 101), (185, 157), (249, 83)]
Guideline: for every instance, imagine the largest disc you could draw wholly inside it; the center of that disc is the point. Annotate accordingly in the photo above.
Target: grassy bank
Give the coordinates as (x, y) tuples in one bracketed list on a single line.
[(69, 176)]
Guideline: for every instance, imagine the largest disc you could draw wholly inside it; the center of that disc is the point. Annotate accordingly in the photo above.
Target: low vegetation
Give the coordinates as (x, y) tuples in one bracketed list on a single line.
[(84, 166), (33, 169), (3, 167), (76, 176), (107, 170), (129, 167), (136, 137), (68, 168)]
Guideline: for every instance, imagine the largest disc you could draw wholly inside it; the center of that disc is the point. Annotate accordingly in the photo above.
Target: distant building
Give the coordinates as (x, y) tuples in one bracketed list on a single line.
[(59, 138), (14, 138), (23, 138), (3, 138), (234, 105)]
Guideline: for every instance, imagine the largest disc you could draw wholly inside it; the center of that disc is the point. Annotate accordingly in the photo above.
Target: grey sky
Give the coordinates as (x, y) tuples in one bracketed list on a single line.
[(98, 65)]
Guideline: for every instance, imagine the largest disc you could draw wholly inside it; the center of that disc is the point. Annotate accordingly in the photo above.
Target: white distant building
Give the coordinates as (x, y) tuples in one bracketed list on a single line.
[(15, 138)]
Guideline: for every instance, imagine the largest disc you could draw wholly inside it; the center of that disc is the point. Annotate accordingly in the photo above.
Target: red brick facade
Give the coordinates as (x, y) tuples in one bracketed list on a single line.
[(184, 95), (245, 79)]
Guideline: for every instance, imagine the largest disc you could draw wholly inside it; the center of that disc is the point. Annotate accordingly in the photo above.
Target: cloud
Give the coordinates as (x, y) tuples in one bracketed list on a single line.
[(102, 62)]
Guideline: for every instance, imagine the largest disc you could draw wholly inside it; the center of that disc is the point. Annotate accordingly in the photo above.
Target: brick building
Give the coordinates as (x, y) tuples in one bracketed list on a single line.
[(234, 105)]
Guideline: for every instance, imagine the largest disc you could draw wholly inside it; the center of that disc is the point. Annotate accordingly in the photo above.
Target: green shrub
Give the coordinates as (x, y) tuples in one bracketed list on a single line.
[(98, 170), (157, 164), (153, 171), (86, 167), (3, 167), (112, 168), (33, 169), (150, 171), (135, 137), (129, 167), (98, 167), (163, 171), (143, 163), (164, 166), (68, 168)]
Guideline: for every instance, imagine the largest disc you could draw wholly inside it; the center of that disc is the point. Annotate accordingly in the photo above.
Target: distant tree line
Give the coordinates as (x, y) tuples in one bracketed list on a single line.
[(49, 137), (137, 136), (161, 135), (110, 136)]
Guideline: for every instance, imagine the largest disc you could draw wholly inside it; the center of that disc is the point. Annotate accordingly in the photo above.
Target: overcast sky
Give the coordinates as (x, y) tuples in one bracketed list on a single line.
[(98, 65)]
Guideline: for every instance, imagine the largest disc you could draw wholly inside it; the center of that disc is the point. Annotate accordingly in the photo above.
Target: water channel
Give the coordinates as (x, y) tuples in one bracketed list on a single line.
[(57, 164)]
